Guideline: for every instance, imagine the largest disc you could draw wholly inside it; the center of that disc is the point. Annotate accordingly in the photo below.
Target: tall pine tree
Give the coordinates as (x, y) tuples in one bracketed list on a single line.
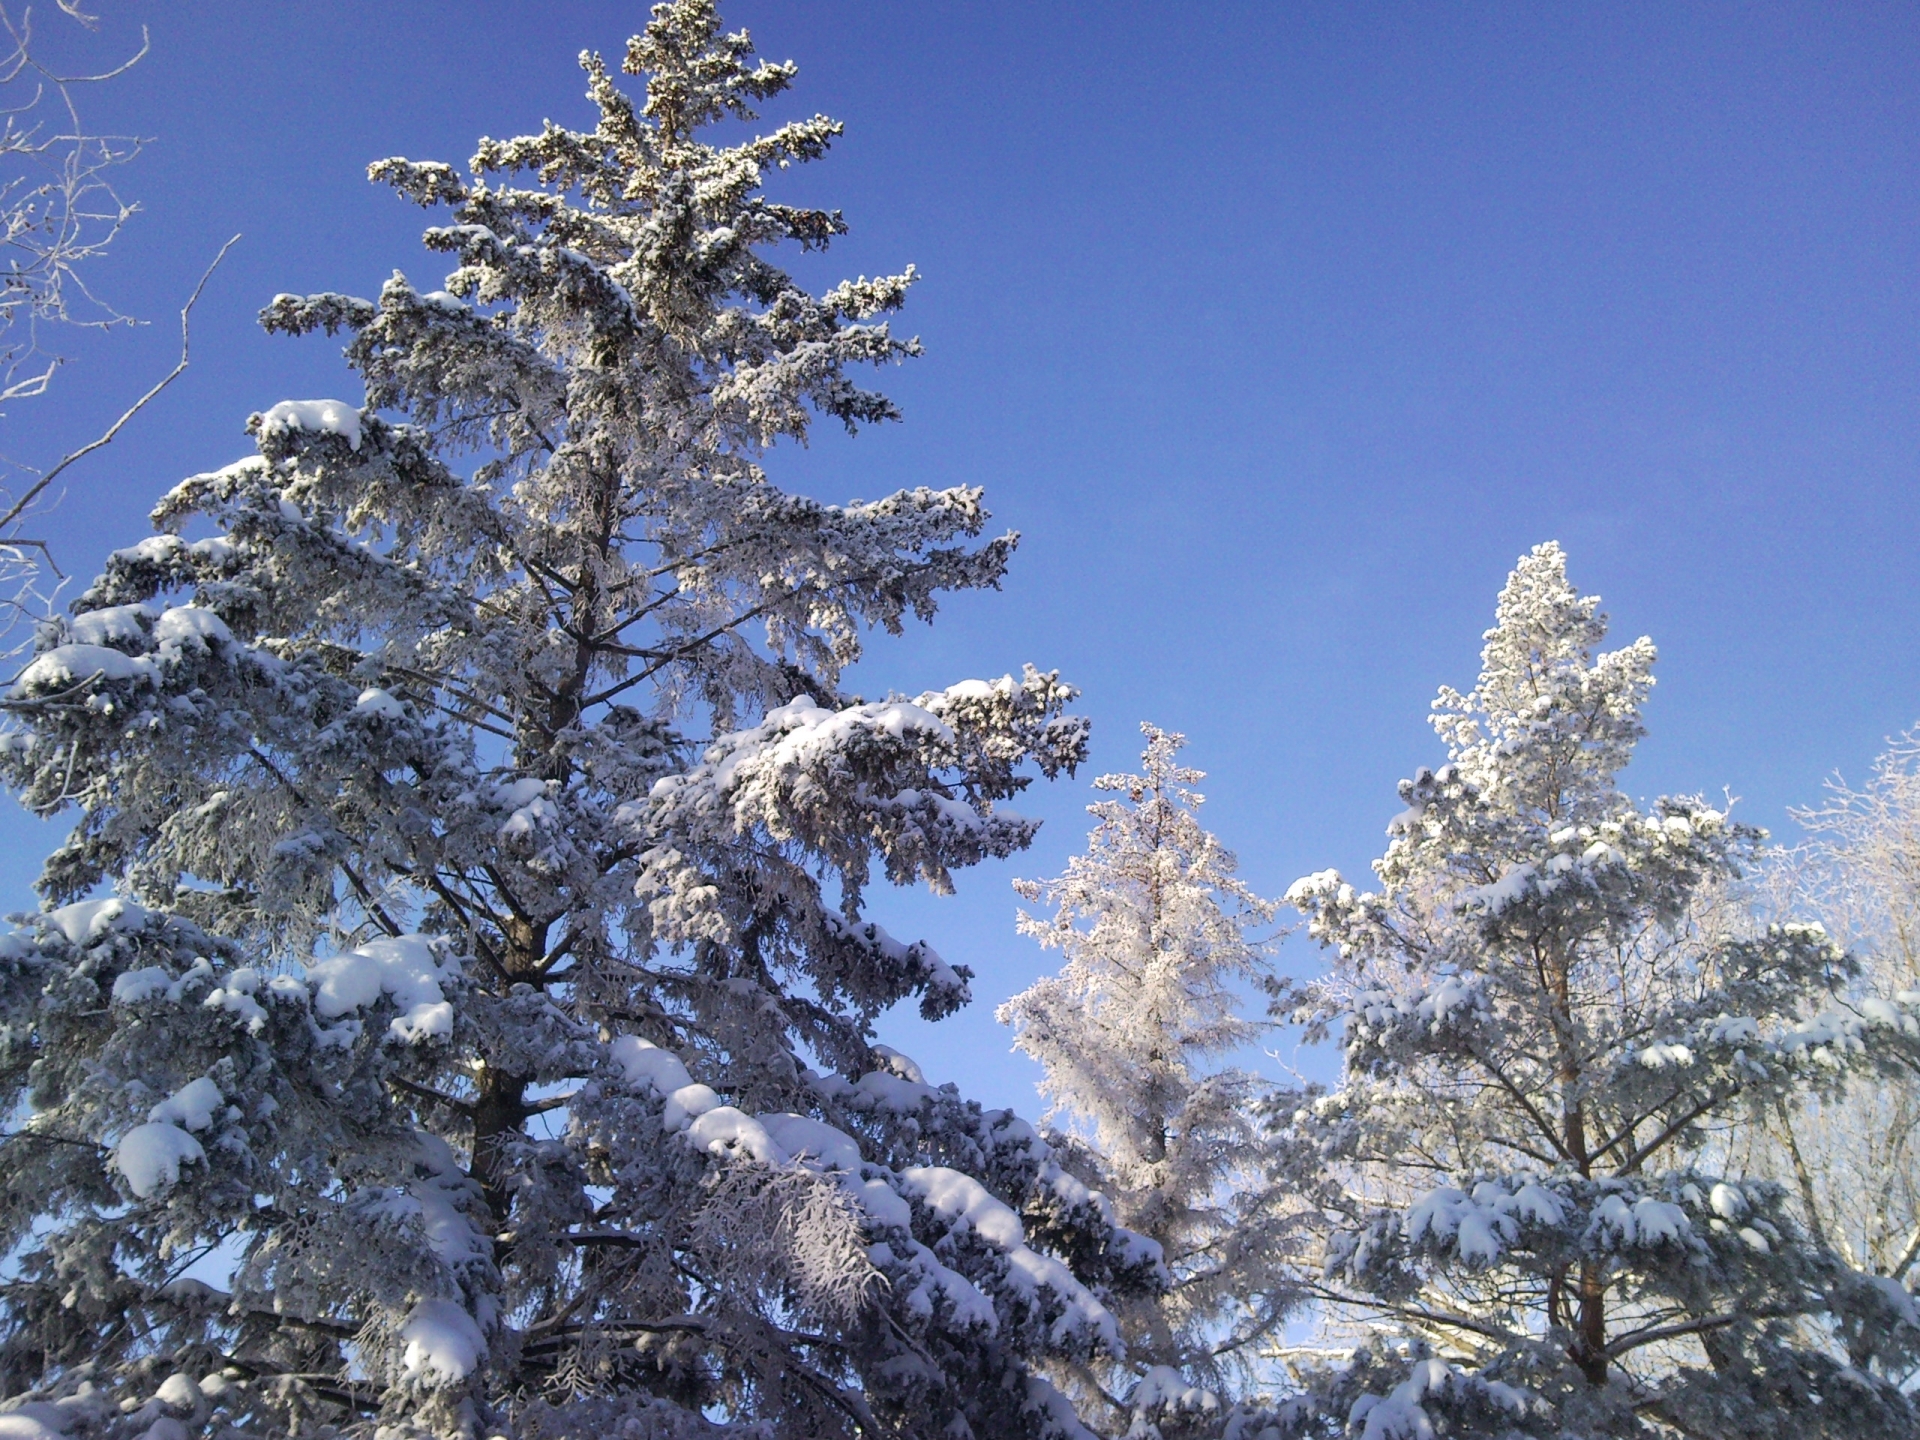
[(1543, 1043), (485, 981)]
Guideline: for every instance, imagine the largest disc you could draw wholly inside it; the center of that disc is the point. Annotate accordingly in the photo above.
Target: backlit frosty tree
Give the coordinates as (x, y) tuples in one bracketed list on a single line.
[(1541, 1043), (508, 1042), (1160, 939), (1855, 1166)]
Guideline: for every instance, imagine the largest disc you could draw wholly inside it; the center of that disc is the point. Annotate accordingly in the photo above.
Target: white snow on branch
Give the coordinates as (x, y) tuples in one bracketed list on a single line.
[(88, 920), (328, 417), (1482, 1224), (1401, 1415), (49, 1420), (403, 967), (443, 1342), (176, 633), (193, 1105), (150, 1156), (1166, 1389), (66, 665), (778, 1140), (1643, 1223)]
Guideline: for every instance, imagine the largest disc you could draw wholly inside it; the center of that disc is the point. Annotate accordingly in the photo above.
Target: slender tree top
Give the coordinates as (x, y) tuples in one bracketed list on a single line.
[(1551, 722), (1158, 937)]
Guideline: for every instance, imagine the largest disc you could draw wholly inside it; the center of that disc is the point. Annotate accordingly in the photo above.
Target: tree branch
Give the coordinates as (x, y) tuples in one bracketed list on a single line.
[(39, 487)]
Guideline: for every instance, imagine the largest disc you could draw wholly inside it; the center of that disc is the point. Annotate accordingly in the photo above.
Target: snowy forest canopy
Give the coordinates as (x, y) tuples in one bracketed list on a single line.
[(454, 1010)]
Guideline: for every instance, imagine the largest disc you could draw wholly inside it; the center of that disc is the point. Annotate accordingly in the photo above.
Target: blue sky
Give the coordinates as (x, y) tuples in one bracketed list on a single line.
[(1279, 330)]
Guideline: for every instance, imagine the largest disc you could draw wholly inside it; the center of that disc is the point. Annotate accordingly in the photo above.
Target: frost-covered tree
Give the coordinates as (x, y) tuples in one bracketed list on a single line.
[(478, 1037), (1854, 1164), (1161, 948), (1544, 1046)]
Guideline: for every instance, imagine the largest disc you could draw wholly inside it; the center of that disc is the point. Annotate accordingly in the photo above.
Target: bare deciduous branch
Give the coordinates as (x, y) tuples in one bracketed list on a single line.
[(19, 507)]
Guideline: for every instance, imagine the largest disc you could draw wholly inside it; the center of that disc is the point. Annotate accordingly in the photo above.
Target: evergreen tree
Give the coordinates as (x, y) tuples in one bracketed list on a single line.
[(485, 981), (1155, 929), (1543, 1044)]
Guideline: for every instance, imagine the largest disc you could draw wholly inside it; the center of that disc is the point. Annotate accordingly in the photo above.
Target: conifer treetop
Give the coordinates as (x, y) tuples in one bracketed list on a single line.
[(1549, 718), (618, 344), (1548, 1028), (1152, 921)]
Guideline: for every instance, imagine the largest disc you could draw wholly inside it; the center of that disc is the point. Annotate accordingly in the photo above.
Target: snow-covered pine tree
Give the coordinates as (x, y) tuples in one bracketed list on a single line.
[(508, 1042), (1159, 939), (1542, 1045)]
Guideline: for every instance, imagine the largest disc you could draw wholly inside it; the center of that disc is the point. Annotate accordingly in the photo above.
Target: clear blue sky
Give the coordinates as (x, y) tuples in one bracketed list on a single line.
[(1278, 329)]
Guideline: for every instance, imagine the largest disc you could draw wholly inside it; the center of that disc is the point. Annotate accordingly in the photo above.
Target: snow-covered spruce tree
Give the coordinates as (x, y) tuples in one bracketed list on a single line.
[(506, 1040), (1542, 1046), (1158, 936)]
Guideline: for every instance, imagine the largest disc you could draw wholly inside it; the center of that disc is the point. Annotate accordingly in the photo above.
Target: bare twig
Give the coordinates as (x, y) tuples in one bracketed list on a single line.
[(186, 343), (42, 1137), (58, 208)]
